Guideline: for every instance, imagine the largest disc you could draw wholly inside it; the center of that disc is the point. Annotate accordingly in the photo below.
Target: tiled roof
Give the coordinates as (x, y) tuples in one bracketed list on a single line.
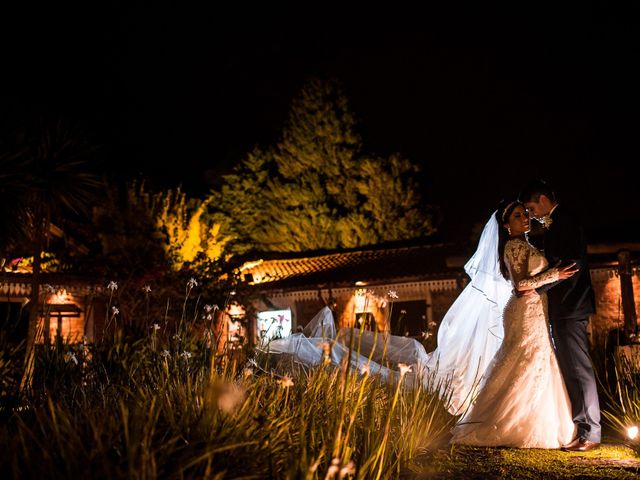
[(348, 267)]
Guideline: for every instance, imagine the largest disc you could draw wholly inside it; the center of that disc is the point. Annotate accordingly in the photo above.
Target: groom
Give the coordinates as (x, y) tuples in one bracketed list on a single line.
[(570, 304)]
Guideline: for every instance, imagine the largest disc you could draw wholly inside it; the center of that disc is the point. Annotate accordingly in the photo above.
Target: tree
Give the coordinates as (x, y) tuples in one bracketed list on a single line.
[(142, 231), (47, 175), (316, 189)]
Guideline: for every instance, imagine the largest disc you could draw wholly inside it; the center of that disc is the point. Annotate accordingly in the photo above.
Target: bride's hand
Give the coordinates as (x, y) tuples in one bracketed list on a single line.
[(567, 271)]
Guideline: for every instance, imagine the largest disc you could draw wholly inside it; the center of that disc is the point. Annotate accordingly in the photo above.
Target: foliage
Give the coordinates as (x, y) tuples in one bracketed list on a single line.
[(47, 172), (316, 189), (623, 400), (145, 232), (168, 405)]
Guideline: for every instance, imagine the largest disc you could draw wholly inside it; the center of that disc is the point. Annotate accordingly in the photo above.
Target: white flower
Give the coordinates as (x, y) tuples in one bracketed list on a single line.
[(208, 308), (192, 283), (433, 324), (403, 312), (404, 369), (49, 288), (176, 337), (286, 381), (115, 311), (348, 469), (155, 327), (166, 353), (333, 469), (186, 355), (146, 289), (425, 335), (113, 286), (392, 294), (70, 357)]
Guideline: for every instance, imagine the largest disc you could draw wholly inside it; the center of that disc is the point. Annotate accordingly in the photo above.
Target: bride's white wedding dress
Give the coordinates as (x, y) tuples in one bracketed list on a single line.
[(522, 400)]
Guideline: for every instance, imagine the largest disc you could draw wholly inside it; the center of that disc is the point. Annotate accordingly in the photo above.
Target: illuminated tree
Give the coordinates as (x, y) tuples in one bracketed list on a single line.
[(159, 229), (316, 189)]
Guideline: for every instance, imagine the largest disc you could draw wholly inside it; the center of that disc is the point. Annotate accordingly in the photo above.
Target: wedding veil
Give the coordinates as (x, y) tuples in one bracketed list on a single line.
[(471, 331)]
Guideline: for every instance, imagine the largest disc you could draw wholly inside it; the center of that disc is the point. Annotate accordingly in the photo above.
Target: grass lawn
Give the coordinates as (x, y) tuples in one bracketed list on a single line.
[(609, 461)]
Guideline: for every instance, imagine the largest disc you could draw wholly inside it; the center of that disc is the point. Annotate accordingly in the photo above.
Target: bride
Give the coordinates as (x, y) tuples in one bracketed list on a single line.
[(498, 371), (522, 400)]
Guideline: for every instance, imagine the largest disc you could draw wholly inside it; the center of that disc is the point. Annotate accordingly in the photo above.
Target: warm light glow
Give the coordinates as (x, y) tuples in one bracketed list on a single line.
[(632, 432), (360, 283), (361, 301), (59, 297), (235, 310), (365, 306)]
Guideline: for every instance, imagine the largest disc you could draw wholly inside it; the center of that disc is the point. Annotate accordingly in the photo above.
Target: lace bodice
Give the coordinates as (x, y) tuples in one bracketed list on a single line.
[(527, 266)]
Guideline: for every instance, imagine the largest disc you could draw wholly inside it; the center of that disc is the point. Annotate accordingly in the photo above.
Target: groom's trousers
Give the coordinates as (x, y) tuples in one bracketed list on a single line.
[(572, 352)]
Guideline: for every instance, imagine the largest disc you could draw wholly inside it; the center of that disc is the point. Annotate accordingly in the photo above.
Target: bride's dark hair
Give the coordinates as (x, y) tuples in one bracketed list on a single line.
[(505, 208)]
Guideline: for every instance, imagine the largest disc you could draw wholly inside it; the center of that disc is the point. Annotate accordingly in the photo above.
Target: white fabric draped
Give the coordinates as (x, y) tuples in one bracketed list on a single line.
[(320, 338)]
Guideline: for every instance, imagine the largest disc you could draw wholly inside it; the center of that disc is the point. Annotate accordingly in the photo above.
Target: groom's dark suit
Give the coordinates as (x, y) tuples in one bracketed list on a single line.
[(570, 304)]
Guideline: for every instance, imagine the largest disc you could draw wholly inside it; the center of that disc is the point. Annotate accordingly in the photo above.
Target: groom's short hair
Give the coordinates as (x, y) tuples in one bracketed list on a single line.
[(533, 190)]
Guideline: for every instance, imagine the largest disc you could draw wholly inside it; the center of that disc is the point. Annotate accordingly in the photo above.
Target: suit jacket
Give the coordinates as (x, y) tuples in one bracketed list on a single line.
[(564, 240)]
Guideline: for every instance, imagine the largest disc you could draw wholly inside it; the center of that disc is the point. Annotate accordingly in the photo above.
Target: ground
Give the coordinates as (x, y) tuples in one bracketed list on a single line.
[(610, 461)]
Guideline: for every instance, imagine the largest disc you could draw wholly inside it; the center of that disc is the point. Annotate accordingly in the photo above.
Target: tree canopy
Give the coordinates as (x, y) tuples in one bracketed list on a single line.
[(317, 188)]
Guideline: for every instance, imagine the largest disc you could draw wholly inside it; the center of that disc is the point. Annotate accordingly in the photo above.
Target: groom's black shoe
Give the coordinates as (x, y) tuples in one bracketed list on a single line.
[(580, 445)]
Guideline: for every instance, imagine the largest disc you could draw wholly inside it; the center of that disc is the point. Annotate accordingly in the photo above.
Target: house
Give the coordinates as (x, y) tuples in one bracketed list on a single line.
[(408, 289), (404, 289), (70, 305)]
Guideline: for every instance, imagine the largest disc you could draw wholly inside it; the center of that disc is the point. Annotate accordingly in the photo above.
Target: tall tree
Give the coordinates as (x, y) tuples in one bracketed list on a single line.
[(47, 176), (316, 189)]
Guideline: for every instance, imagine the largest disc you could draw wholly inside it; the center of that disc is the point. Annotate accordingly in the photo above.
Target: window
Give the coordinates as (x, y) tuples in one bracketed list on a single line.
[(274, 324)]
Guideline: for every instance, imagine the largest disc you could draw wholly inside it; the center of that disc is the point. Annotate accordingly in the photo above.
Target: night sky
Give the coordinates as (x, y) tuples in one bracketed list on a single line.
[(483, 104)]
